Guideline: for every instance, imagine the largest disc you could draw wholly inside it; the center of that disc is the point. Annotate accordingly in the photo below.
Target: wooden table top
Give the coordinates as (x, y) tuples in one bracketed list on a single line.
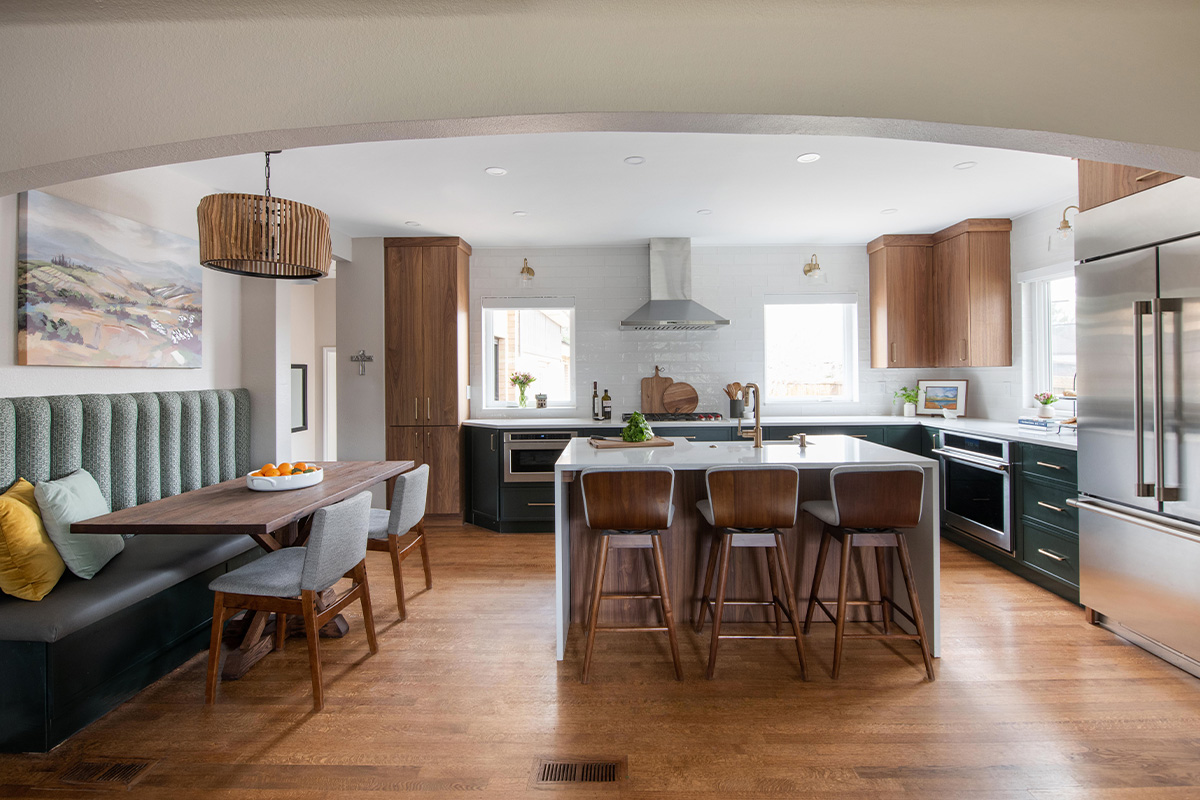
[(230, 507)]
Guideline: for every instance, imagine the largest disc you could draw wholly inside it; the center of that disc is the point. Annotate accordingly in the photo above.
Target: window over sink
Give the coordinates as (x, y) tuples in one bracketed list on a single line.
[(533, 335), (1049, 301), (811, 348)]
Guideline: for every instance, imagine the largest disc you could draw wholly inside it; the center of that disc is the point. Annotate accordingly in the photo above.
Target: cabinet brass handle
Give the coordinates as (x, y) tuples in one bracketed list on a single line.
[(493, 441), (964, 351), (893, 352), (1048, 466), (428, 408), (416, 414), (1052, 508), (539, 504), (1050, 554), (1147, 176)]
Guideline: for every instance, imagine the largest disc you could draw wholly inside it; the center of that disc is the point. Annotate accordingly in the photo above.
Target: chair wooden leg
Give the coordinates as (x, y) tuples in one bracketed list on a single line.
[(593, 617), (719, 607), (885, 595), (214, 649), (425, 555), (843, 580), (915, 604), (360, 577), (309, 602), (773, 589), (714, 548), (664, 597), (394, 549), (280, 630), (790, 599), (822, 553)]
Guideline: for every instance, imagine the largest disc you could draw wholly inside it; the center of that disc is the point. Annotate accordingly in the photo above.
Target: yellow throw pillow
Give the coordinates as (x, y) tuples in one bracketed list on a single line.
[(30, 566)]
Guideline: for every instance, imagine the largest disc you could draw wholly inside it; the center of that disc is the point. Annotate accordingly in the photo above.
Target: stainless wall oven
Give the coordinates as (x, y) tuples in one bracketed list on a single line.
[(977, 487), (529, 456)]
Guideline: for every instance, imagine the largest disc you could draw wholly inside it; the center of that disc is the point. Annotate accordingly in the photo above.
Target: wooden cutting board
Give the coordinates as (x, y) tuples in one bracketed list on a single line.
[(613, 442), (680, 398), (652, 392)]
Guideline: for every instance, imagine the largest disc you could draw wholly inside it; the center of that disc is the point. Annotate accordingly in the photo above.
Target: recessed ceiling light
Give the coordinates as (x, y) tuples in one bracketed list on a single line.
[(704, 211), (496, 171), (520, 213), (808, 158), (635, 160), (889, 211), (966, 164), (413, 223)]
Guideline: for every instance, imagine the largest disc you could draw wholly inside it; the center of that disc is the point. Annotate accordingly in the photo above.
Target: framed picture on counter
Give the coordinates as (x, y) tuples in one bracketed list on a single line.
[(938, 396)]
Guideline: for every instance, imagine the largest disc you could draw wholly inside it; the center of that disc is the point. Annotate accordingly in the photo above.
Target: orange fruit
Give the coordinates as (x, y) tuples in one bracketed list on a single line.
[(300, 465), (268, 466), (285, 468), (256, 474), (270, 473)]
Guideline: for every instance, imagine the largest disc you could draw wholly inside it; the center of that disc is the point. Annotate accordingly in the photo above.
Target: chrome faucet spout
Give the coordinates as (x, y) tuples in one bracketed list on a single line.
[(756, 434)]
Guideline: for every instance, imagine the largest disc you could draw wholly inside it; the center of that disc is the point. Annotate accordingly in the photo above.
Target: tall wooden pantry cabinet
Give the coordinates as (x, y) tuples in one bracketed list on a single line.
[(426, 314)]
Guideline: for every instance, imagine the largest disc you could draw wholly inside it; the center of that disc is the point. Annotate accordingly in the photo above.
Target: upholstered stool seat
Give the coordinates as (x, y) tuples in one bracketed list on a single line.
[(823, 510)]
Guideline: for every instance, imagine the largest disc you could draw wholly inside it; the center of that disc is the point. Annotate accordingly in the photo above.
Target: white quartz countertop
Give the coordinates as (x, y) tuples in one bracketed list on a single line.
[(822, 452), (1001, 429)]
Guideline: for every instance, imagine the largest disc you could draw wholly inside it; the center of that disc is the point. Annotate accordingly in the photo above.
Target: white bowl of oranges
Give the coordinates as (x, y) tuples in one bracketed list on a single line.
[(284, 477)]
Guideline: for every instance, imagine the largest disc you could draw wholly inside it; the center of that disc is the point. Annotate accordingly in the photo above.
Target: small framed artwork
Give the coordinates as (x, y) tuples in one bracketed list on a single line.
[(299, 397), (939, 396)]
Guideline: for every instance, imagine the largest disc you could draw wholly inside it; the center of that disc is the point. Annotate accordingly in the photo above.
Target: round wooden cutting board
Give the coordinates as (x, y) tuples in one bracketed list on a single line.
[(680, 398)]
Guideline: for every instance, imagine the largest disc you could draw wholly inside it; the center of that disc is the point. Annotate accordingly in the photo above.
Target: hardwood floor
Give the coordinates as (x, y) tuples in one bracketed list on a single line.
[(1030, 702)]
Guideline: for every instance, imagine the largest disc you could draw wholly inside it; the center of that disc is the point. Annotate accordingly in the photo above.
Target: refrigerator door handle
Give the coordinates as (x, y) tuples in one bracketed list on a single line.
[(1141, 308), (1164, 493), (1154, 522)]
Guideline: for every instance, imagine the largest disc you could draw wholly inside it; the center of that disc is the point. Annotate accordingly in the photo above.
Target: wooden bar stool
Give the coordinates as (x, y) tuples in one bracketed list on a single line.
[(630, 507), (869, 503), (748, 505)]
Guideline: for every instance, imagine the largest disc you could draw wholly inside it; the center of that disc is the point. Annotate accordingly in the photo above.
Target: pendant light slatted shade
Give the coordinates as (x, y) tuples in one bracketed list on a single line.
[(263, 236)]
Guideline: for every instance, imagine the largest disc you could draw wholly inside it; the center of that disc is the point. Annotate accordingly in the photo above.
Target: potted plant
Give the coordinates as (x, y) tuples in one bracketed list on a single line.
[(910, 397), (1045, 401), (521, 380)]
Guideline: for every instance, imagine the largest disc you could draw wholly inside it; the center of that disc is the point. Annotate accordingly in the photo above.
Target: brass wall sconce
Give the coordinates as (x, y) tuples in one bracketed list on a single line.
[(527, 272), (1064, 227)]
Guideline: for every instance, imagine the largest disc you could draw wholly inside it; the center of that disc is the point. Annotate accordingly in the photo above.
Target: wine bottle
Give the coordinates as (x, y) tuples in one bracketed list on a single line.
[(597, 413), (606, 405)]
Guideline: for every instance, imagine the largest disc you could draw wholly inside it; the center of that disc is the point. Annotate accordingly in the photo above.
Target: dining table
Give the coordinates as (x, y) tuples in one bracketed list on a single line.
[(273, 519)]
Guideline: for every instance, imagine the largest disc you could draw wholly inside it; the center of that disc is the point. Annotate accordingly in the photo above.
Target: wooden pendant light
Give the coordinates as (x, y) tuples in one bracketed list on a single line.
[(263, 236)]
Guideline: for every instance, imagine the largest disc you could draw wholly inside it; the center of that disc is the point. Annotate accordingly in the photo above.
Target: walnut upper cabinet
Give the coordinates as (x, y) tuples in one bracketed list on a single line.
[(900, 303), (1101, 183), (426, 319), (972, 294)]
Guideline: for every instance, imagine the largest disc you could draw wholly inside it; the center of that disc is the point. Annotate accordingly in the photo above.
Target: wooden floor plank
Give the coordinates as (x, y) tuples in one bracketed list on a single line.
[(1031, 703)]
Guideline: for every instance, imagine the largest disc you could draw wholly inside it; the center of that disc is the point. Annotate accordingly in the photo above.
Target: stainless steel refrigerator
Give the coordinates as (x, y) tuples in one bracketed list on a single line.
[(1138, 341)]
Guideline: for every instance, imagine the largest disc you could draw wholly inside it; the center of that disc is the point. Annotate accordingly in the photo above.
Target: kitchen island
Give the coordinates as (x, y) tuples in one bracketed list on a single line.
[(687, 540)]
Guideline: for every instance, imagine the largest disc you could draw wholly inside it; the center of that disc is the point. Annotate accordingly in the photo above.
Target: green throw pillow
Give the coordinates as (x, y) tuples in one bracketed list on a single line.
[(73, 499)]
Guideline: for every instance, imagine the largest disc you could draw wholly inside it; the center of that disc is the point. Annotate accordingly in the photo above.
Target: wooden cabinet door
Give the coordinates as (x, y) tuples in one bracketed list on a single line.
[(442, 447), (404, 444), (1101, 183), (952, 302), (404, 335), (991, 299), (908, 307), (439, 334)]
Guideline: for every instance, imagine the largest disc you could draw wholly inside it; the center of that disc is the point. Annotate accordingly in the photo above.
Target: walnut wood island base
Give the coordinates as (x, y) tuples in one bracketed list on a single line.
[(686, 542)]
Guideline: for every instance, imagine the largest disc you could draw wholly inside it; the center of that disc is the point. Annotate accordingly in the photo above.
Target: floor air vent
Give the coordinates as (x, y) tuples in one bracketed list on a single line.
[(551, 772), (105, 773)]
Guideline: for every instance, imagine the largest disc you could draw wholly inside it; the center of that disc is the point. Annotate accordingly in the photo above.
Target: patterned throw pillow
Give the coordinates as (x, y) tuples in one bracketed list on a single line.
[(73, 499), (29, 565)]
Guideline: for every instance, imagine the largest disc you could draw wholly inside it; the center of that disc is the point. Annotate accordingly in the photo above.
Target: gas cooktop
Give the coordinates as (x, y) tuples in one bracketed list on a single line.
[(658, 416)]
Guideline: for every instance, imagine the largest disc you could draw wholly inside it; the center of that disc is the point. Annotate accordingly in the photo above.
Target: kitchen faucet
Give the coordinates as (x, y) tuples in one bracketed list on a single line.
[(756, 435)]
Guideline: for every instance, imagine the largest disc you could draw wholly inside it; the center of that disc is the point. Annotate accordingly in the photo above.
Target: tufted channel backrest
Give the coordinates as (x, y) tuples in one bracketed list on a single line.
[(138, 447)]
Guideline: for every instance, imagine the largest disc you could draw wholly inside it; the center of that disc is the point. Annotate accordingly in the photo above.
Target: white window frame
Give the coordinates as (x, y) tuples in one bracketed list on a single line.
[(489, 367), (1035, 306), (850, 330)]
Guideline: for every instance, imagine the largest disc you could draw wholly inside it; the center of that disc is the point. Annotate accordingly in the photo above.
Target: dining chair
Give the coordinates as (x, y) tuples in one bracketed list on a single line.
[(407, 515), (290, 581)]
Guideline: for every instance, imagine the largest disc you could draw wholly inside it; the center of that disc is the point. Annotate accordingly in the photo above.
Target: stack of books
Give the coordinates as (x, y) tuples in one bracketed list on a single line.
[(1038, 423)]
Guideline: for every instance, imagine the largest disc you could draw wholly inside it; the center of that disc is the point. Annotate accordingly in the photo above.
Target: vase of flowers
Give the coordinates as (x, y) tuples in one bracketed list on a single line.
[(521, 380), (910, 398), (1045, 402)]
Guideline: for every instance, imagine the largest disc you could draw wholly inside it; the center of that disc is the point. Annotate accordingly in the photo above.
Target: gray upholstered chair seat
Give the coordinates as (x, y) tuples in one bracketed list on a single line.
[(147, 566), (380, 517), (276, 574), (823, 510)]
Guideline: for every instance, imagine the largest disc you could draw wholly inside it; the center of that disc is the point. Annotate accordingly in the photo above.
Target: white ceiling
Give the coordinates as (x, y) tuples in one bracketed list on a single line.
[(576, 188)]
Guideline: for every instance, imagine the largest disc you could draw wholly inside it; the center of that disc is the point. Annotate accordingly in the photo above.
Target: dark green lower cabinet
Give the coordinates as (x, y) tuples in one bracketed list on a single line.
[(783, 432), (1050, 552), (904, 437)]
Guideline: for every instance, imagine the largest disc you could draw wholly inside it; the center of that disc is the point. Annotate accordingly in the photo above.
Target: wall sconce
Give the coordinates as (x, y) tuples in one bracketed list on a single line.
[(1064, 227), (813, 271), (527, 273)]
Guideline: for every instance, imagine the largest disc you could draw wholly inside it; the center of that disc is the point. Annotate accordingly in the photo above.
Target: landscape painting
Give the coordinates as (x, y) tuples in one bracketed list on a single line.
[(98, 290), (942, 396)]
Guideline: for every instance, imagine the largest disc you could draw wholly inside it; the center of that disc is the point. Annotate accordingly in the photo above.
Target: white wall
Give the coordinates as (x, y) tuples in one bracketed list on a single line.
[(324, 326), (303, 343), (157, 198), (362, 420)]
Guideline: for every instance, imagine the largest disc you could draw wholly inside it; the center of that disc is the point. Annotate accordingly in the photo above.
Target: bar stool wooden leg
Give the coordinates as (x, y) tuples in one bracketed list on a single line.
[(714, 549), (822, 554), (660, 567), (789, 597), (773, 589), (840, 622), (915, 603), (885, 595), (601, 562), (719, 607)]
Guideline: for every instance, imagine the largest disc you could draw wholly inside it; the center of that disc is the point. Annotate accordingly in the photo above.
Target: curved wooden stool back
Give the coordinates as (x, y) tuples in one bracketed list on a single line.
[(753, 497), (629, 507)]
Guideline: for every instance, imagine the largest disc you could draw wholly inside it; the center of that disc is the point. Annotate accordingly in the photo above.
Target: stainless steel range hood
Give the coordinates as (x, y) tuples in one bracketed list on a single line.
[(671, 307)]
